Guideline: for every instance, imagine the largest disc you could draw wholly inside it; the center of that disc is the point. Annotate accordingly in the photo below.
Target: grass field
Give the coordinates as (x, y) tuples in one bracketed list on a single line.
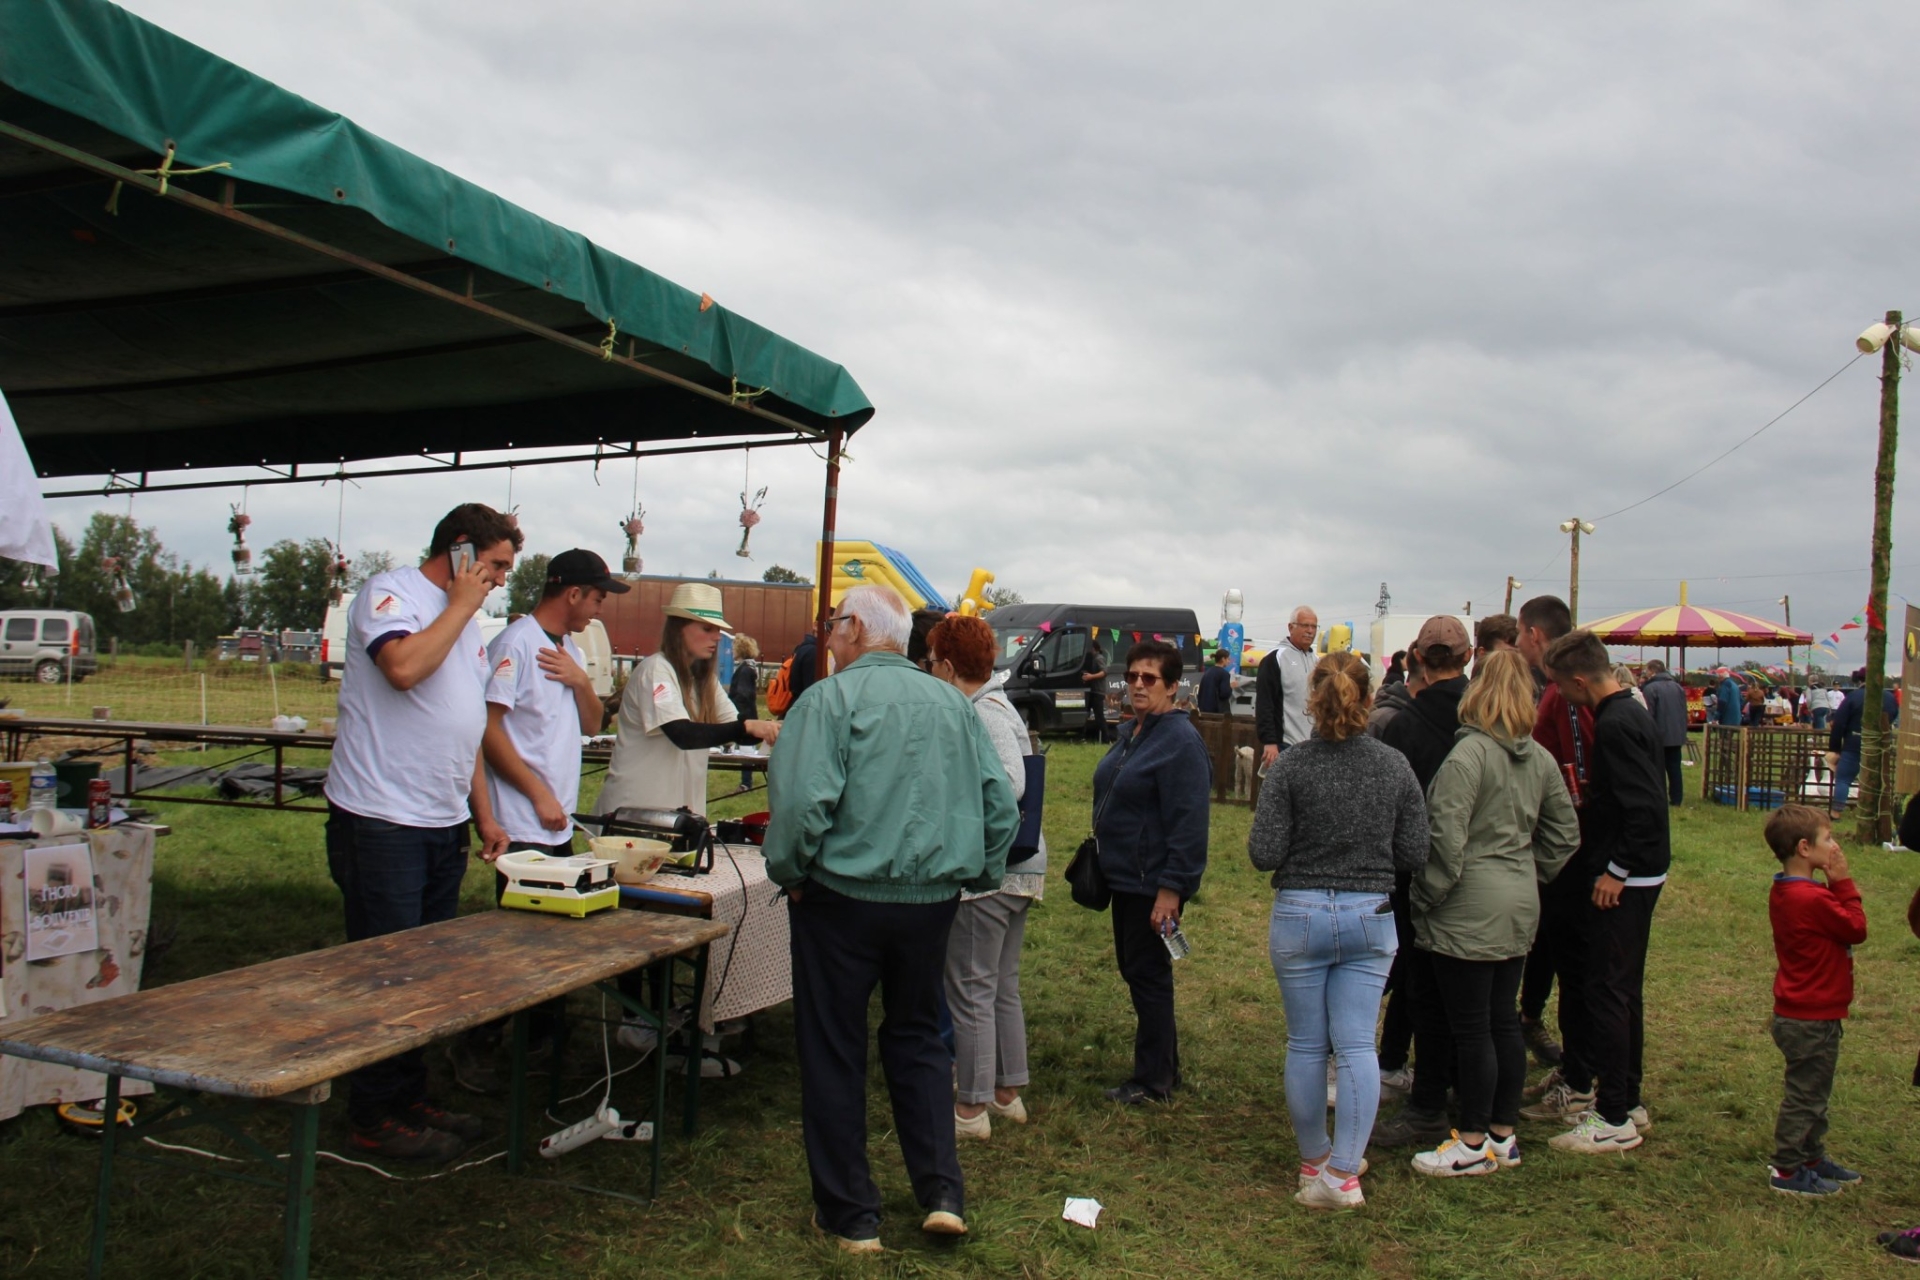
[(163, 690), (1200, 1187)]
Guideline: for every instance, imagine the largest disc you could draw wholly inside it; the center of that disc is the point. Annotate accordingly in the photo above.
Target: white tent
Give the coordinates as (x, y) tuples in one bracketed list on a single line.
[(25, 532)]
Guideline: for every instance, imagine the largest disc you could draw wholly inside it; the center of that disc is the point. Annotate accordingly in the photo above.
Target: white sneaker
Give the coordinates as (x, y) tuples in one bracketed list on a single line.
[(1318, 1195), (1641, 1120), (1505, 1151), (1455, 1159), (1015, 1111), (1560, 1103), (1400, 1081), (1311, 1172), (977, 1127), (636, 1035), (1594, 1136)]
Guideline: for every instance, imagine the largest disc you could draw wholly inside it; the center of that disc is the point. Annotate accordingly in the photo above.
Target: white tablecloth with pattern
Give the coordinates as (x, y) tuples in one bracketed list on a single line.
[(123, 896), (751, 968)]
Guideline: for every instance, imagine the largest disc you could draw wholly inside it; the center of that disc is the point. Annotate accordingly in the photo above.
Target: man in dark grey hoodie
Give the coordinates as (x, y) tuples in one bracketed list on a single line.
[(1667, 704)]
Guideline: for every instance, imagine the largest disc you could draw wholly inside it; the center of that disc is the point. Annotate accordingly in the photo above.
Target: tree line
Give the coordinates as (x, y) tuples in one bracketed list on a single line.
[(175, 600)]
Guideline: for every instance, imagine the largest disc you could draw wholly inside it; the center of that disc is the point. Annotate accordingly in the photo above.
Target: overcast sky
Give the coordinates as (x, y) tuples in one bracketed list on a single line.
[(1153, 302)]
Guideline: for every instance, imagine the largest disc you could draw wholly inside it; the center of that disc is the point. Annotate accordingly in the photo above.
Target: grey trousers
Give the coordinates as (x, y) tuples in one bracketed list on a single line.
[(1812, 1050), (983, 994)]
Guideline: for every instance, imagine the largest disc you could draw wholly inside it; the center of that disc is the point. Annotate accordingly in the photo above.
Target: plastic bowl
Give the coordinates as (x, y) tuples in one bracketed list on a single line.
[(637, 860)]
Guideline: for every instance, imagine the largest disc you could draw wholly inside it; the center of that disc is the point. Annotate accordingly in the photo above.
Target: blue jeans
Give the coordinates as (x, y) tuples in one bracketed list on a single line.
[(1331, 952), (1843, 778), (392, 878)]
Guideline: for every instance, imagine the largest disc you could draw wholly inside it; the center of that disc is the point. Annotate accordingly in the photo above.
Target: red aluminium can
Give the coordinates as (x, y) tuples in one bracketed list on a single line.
[(6, 799), (99, 803)]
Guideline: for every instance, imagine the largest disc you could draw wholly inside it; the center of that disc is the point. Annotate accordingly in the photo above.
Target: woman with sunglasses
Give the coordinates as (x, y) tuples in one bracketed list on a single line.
[(1150, 811)]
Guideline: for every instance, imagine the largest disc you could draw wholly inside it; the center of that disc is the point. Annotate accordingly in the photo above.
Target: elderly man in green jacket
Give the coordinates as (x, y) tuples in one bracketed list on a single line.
[(888, 800)]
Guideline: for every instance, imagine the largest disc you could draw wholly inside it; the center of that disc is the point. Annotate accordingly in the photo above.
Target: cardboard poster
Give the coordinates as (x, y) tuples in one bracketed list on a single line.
[(60, 918)]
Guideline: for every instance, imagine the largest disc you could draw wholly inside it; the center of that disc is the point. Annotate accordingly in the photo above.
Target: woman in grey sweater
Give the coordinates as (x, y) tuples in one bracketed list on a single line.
[(983, 948), (1339, 814)]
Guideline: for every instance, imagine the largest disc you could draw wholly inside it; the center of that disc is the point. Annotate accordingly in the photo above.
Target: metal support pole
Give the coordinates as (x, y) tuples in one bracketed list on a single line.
[(296, 1252), (103, 1198), (830, 513), (1876, 809)]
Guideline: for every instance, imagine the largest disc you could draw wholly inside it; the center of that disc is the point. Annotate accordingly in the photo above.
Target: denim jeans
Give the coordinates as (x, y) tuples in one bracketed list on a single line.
[(392, 878), (1331, 952), (1844, 777)]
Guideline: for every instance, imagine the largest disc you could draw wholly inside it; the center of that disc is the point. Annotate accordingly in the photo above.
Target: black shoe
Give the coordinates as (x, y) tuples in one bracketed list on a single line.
[(1902, 1244), (1133, 1093), (1540, 1042), (1411, 1126), (398, 1140), (944, 1219), (425, 1115)]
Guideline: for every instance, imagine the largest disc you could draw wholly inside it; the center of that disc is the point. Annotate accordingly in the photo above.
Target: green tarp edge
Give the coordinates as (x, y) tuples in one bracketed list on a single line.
[(97, 61)]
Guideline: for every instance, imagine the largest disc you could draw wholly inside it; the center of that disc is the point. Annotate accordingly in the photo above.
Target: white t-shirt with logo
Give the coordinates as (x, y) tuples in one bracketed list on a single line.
[(647, 770), (542, 723), (406, 756)]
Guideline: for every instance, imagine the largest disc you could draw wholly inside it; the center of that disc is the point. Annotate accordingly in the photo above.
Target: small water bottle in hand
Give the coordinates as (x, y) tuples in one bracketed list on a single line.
[(1177, 945)]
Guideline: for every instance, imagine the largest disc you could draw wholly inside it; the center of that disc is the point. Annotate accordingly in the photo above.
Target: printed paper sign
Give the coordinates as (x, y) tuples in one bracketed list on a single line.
[(60, 902)]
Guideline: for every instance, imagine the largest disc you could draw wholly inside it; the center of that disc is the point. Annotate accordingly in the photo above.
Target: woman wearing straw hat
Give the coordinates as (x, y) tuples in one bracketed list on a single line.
[(674, 710)]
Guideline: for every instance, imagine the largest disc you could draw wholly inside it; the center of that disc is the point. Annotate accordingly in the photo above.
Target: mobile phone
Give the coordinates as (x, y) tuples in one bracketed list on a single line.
[(460, 555)]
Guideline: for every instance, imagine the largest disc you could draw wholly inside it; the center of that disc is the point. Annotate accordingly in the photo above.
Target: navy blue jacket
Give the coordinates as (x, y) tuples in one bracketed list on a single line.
[(1844, 733), (1151, 795), (1216, 690)]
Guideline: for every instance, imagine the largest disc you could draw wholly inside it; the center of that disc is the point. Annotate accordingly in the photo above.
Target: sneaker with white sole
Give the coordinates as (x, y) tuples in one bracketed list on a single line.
[(1014, 1112), (1802, 1181), (1319, 1194), (1506, 1151), (1838, 1174), (1641, 1120), (1310, 1172), (1560, 1103), (1540, 1087), (978, 1128), (1400, 1081), (1594, 1136), (1455, 1159)]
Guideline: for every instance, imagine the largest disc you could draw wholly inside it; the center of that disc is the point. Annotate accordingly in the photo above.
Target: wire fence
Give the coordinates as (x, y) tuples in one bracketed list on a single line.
[(172, 691)]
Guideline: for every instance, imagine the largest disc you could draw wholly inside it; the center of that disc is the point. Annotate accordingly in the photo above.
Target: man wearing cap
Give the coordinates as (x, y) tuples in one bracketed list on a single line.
[(674, 710), (540, 701), (1424, 734), (406, 776), (888, 800)]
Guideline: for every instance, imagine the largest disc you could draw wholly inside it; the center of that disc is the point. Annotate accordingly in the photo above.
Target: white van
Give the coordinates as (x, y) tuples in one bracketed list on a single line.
[(594, 644)]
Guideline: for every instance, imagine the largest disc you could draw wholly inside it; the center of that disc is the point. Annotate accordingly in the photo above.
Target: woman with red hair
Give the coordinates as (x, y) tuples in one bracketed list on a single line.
[(983, 949)]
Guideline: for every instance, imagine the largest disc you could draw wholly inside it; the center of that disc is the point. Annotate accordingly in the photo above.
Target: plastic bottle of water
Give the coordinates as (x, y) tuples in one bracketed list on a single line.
[(43, 786)]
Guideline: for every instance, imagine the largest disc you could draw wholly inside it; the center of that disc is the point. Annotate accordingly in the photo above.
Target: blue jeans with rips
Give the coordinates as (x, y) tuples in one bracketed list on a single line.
[(1331, 952), (392, 878)]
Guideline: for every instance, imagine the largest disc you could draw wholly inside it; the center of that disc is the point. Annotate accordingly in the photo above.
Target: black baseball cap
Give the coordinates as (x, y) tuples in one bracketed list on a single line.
[(582, 568)]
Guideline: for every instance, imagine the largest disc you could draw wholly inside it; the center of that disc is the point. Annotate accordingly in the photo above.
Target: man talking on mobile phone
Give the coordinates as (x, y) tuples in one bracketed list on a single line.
[(407, 774)]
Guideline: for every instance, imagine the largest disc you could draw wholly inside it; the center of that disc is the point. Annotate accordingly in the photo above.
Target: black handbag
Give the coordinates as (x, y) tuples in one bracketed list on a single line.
[(1026, 841), (1085, 880)]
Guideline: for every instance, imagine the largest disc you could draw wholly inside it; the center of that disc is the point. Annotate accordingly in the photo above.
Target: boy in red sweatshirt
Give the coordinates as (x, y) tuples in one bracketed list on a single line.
[(1815, 927)]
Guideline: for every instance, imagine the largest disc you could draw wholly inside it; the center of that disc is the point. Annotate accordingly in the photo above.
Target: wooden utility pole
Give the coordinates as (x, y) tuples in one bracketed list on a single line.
[(1576, 526), (1876, 799), (1786, 602), (1512, 582)]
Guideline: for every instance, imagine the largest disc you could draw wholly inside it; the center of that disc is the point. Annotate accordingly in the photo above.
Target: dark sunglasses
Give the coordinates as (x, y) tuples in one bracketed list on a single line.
[(1142, 677)]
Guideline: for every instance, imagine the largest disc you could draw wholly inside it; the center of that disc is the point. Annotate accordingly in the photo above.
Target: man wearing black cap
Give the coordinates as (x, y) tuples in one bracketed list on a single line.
[(540, 701)]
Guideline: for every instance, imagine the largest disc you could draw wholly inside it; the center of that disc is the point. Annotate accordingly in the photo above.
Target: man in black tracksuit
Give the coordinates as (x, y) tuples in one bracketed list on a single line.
[(1624, 854)]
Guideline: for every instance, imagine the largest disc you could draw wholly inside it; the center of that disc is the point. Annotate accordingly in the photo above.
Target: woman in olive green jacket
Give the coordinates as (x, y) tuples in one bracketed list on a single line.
[(1500, 824)]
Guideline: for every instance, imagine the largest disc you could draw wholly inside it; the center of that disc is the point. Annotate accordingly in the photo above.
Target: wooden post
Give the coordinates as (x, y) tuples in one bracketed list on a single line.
[(1573, 579), (1876, 809), (188, 651), (830, 513)]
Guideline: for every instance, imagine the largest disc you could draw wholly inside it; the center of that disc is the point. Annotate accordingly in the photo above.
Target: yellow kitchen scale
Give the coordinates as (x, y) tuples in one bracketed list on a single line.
[(572, 886)]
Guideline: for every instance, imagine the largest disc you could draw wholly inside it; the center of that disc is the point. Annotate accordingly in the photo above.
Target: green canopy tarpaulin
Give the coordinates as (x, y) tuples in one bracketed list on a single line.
[(315, 295)]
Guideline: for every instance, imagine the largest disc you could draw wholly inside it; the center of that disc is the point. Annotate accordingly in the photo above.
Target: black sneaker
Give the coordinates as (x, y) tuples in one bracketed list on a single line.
[(462, 1126), (1540, 1042), (1410, 1127), (944, 1218), (1904, 1245), (1133, 1094), (397, 1140)]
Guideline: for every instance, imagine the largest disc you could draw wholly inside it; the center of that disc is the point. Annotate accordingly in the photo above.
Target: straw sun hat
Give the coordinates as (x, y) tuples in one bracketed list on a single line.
[(698, 602)]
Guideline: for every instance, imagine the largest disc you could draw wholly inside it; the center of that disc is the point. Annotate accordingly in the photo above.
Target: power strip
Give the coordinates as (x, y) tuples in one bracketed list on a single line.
[(603, 1123)]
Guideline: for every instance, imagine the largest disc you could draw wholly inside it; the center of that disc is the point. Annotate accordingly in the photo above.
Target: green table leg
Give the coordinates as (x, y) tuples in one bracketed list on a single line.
[(662, 1001), (690, 1104), (517, 1099), (103, 1200), (296, 1252)]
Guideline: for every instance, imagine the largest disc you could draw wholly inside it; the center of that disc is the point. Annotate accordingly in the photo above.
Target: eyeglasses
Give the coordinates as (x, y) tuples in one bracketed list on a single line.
[(1142, 677), (837, 620)]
